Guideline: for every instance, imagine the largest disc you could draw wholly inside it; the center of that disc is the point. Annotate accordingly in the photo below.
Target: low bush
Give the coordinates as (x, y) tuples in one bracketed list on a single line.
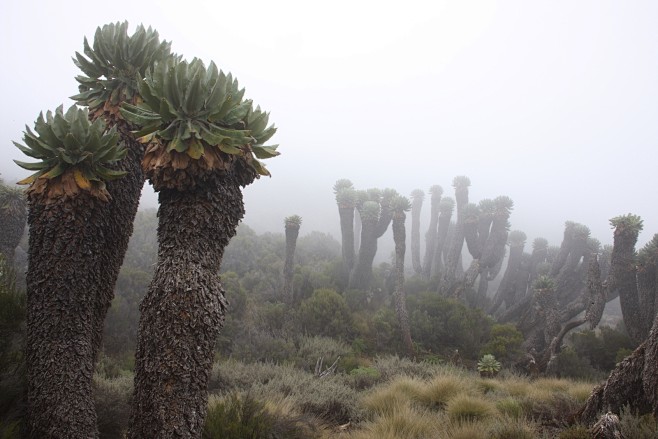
[(112, 397)]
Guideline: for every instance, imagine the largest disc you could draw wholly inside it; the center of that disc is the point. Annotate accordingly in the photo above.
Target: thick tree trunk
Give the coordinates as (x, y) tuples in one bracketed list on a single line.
[(506, 289), (292, 232), (183, 310), (362, 273), (121, 210), (346, 214), (12, 225), (430, 238), (61, 280), (399, 236), (416, 207), (442, 233)]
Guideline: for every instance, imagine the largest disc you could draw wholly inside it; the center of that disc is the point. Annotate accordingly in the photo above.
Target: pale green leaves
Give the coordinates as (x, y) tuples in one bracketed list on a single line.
[(68, 140), (189, 106), (115, 63)]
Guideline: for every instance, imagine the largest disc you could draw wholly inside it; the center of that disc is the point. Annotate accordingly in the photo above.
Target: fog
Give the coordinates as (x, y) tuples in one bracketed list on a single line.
[(552, 103)]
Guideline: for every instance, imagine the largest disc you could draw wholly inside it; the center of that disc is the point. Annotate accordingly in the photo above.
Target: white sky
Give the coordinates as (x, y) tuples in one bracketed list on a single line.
[(553, 103)]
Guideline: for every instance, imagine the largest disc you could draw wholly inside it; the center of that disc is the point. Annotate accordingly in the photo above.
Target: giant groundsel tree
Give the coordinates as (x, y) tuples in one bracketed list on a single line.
[(67, 200), (111, 67), (204, 142)]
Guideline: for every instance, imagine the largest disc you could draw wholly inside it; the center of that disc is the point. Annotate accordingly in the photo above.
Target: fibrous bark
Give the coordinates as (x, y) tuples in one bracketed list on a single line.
[(183, 309), (431, 236), (417, 197), (61, 279), (399, 236), (292, 232)]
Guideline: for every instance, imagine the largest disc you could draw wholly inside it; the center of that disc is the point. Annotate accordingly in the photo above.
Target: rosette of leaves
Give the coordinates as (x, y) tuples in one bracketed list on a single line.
[(447, 205), (115, 63), (488, 366), (293, 221), (631, 223), (73, 153), (400, 203), (369, 211), (195, 120), (516, 238)]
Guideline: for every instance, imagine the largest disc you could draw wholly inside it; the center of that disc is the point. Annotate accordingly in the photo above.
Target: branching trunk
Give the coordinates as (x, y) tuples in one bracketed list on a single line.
[(362, 273), (430, 237), (183, 309)]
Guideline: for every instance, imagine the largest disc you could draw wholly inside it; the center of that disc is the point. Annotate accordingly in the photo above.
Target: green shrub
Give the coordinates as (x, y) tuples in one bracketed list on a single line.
[(262, 346), (601, 347), (441, 325), (364, 377), (504, 342), (112, 399), (571, 365), (325, 313), (310, 349)]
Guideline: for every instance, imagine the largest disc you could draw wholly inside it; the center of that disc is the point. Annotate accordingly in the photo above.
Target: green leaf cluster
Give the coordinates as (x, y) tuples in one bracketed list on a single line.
[(189, 106), (488, 364), (69, 140), (115, 63)]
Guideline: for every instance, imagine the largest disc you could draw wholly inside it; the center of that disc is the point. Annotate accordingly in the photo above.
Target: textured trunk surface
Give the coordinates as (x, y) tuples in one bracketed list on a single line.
[(64, 240), (442, 234), (399, 237), (121, 210), (416, 207), (453, 260), (362, 273), (12, 226), (292, 232), (505, 292), (183, 309), (430, 238), (347, 236)]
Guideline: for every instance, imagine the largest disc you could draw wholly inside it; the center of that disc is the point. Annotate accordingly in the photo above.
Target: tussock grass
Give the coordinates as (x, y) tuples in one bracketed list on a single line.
[(580, 391), (403, 423), (508, 428), (469, 408), (511, 407), (466, 430), (442, 388)]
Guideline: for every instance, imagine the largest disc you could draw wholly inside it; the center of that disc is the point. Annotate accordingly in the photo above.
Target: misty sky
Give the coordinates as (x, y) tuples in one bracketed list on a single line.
[(553, 103)]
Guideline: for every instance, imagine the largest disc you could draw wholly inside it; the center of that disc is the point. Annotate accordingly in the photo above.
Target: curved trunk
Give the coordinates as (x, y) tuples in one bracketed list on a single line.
[(64, 239), (183, 309), (399, 236), (121, 210), (416, 206), (292, 232)]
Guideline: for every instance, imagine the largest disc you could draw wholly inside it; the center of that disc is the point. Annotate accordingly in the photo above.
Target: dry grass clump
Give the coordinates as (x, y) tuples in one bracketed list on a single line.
[(469, 408), (580, 391), (404, 422), (389, 399), (442, 388), (509, 428), (465, 430), (511, 407), (488, 385)]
